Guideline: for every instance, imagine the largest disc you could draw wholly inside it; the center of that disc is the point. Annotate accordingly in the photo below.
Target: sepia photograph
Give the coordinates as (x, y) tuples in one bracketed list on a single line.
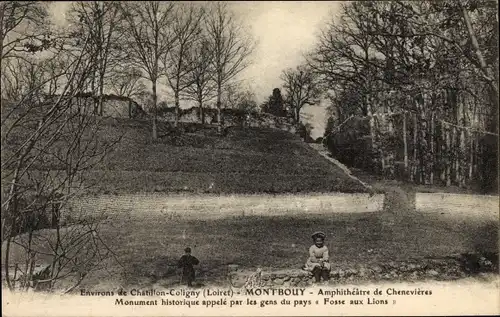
[(249, 158)]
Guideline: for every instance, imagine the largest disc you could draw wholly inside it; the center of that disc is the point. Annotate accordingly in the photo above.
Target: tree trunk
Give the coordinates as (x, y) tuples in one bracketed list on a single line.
[(449, 154), (1, 54), (424, 151), (101, 101), (155, 112), (201, 112), (433, 148), (456, 139), (405, 145), (483, 67), (95, 101), (471, 156), (371, 121), (463, 143), (489, 142), (7, 263), (101, 95), (442, 152), (30, 263), (177, 106), (390, 122), (414, 161), (377, 125), (219, 111), (382, 161), (455, 164)]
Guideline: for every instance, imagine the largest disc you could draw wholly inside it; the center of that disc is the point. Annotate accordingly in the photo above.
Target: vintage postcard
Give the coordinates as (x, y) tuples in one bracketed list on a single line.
[(249, 158)]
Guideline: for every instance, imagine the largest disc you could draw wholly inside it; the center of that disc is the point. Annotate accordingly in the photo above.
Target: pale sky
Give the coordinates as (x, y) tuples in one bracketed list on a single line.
[(284, 31)]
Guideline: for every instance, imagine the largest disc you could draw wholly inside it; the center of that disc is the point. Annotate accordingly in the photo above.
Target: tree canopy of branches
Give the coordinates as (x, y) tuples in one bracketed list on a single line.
[(99, 20), (22, 31), (200, 76), (238, 97), (301, 88), (22, 28), (186, 28), (230, 48), (150, 38), (127, 83)]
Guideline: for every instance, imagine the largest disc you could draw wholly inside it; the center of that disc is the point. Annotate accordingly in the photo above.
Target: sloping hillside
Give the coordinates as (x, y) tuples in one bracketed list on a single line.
[(244, 160)]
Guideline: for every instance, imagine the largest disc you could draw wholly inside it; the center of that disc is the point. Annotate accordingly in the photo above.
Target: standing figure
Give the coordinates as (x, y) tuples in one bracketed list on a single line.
[(317, 263), (187, 263)]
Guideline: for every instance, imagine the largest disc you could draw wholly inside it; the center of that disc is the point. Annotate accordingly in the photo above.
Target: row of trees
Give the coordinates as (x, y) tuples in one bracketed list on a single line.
[(195, 49), (424, 75)]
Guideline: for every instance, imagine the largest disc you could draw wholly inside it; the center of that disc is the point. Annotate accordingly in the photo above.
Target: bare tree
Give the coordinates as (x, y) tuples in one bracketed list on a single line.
[(22, 30), (486, 70), (236, 96), (48, 144), (230, 48), (301, 88), (126, 82), (26, 16), (202, 86), (150, 39), (186, 27), (99, 20)]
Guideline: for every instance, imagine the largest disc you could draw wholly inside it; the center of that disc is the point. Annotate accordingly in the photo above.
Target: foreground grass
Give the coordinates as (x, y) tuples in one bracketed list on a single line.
[(147, 248)]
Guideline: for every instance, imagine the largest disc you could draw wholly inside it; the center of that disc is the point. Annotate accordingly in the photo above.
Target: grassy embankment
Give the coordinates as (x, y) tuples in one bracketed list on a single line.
[(245, 160)]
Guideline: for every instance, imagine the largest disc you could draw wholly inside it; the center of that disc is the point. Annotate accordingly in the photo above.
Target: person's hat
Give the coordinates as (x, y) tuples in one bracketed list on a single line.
[(318, 234), (187, 250)]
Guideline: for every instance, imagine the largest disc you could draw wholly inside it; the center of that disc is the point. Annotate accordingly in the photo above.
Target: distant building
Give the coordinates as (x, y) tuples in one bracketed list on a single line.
[(112, 106)]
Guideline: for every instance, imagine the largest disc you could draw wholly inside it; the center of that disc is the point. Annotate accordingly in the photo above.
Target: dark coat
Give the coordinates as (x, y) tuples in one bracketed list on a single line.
[(187, 263)]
